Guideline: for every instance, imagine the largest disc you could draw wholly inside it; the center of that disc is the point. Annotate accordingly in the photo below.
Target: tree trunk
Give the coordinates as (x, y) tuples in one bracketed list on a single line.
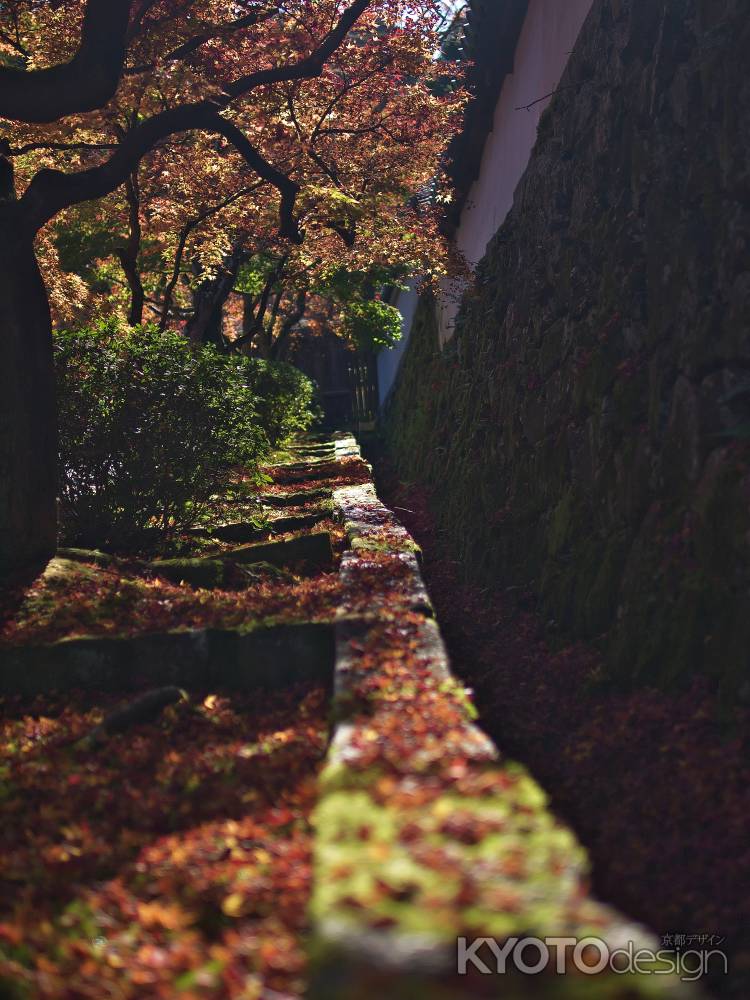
[(133, 278), (130, 252), (28, 417), (248, 314), (213, 330), (253, 310), (279, 347), (207, 322)]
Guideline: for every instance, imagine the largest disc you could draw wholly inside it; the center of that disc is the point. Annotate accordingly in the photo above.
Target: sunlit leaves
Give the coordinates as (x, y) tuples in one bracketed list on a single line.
[(360, 139), (166, 860)]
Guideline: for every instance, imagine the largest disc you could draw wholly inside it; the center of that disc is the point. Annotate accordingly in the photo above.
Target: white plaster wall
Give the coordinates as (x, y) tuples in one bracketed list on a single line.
[(389, 360), (547, 38)]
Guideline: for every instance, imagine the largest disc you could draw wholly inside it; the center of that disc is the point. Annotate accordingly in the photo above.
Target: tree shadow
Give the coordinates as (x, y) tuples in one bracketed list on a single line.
[(73, 818), (14, 588)]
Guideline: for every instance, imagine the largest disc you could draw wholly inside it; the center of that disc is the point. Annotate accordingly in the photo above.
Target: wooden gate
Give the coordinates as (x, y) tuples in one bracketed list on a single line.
[(363, 378), (347, 380)]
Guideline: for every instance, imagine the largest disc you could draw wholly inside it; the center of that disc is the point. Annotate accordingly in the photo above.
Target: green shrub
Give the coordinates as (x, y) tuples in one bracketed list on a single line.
[(284, 398), (371, 324), (148, 428)]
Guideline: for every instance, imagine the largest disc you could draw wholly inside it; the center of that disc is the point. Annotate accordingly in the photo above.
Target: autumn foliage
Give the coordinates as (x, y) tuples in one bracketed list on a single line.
[(174, 862), (315, 171), (184, 138)]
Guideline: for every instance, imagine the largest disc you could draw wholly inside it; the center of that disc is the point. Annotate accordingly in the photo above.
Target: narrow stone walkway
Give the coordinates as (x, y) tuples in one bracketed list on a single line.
[(423, 833), (420, 832)]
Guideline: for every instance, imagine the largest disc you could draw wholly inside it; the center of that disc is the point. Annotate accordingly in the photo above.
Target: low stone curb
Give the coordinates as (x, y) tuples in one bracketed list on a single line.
[(314, 549), (397, 946), (264, 658)]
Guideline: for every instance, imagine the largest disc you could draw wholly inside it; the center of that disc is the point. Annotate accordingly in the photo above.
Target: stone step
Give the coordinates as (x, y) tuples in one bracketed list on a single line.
[(201, 571), (264, 657), (314, 549), (297, 498), (247, 531)]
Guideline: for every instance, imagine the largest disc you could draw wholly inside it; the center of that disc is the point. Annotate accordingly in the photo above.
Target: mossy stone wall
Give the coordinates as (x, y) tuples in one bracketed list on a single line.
[(586, 432)]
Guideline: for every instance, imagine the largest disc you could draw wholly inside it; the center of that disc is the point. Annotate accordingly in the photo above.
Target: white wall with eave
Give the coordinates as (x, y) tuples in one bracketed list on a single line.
[(547, 38)]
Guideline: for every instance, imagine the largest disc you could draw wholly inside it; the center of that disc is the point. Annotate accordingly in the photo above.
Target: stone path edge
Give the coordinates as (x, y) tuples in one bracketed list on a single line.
[(263, 658), (351, 959)]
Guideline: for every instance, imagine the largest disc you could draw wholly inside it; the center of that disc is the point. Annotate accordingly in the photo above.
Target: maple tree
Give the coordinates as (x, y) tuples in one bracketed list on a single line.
[(213, 132)]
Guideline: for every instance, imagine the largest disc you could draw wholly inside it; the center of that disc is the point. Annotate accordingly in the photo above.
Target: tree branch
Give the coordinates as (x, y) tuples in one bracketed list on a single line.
[(85, 83), (14, 43), (307, 68), (290, 321), (185, 232), (287, 188), (92, 76), (51, 190), (557, 90), (256, 324), (129, 252), (197, 41)]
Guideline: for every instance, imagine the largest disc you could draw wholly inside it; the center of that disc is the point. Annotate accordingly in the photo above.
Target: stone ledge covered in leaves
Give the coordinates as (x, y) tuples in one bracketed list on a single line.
[(423, 831)]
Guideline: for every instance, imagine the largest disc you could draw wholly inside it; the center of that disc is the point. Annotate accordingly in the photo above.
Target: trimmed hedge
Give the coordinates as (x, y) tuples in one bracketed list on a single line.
[(149, 426)]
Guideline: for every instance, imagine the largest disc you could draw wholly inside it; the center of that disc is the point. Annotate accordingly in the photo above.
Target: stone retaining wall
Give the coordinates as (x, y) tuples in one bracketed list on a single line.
[(586, 431), (423, 833)]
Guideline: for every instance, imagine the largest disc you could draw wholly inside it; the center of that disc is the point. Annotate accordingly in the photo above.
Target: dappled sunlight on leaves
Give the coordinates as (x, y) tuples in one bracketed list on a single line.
[(174, 860), (93, 600)]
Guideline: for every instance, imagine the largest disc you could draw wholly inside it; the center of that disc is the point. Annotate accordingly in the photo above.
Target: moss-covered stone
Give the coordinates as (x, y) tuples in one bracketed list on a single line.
[(261, 657), (295, 498), (249, 531), (582, 431), (313, 549)]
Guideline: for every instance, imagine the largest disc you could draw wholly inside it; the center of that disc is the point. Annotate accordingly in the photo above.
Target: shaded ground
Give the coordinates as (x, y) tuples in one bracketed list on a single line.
[(178, 855), (656, 789)]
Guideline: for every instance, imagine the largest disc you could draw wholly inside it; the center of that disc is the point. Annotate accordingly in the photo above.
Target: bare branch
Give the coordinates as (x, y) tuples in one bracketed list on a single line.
[(557, 90)]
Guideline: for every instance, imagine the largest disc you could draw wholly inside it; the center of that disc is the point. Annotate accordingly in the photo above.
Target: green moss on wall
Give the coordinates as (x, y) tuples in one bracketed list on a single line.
[(582, 431)]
